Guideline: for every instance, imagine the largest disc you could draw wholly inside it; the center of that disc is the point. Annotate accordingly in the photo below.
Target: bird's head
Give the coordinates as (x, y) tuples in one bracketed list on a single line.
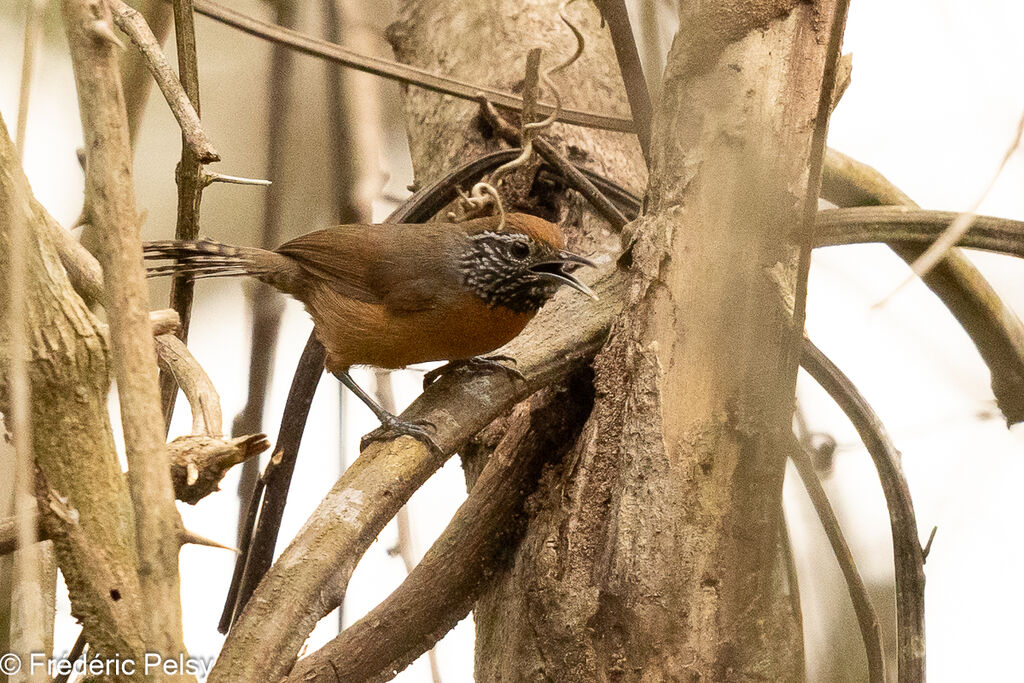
[(522, 266)]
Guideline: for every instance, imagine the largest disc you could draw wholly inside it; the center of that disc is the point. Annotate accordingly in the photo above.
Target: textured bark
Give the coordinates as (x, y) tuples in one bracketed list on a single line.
[(110, 208), (72, 440), (444, 131), (656, 556)]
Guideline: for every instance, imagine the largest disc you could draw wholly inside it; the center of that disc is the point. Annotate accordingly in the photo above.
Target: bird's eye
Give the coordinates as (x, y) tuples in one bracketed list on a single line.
[(519, 249)]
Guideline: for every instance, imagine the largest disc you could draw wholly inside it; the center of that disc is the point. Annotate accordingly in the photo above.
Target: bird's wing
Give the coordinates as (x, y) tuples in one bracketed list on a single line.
[(403, 267)]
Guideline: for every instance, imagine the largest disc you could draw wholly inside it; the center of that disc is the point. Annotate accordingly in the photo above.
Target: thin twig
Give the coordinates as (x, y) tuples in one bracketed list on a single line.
[(210, 177), (255, 558), (33, 31), (134, 25), (927, 549), (266, 306), (110, 207), (192, 379), (804, 238), (135, 68), (960, 225), (870, 629), (189, 176), (897, 225), (572, 175), (441, 589), (637, 91), (27, 601), (395, 71), (245, 530), (906, 548)]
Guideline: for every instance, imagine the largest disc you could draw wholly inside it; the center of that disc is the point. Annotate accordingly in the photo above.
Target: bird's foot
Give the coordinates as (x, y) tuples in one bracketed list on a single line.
[(392, 427), (496, 362)]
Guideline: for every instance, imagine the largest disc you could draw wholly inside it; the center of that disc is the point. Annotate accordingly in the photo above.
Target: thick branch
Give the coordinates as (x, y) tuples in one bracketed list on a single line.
[(199, 463), (110, 208), (441, 589), (309, 578), (72, 441)]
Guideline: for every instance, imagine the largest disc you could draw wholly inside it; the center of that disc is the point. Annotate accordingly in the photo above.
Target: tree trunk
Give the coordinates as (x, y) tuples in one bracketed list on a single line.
[(654, 552)]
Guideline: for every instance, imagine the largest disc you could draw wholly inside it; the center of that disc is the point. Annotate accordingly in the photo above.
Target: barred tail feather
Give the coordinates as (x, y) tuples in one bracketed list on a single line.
[(201, 259)]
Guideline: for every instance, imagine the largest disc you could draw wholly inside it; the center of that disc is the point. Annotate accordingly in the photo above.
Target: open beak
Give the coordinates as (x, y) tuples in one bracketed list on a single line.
[(560, 269)]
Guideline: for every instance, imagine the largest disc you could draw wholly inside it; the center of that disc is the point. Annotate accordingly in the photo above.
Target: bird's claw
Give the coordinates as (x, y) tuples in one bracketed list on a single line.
[(495, 362), (393, 428)]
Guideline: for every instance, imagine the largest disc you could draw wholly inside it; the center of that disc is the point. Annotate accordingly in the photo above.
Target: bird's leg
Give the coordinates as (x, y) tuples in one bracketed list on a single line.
[(496, 362), (391, 425)]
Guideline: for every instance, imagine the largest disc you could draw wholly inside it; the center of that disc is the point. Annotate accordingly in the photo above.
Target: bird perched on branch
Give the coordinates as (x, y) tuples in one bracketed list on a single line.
[(391, 295)]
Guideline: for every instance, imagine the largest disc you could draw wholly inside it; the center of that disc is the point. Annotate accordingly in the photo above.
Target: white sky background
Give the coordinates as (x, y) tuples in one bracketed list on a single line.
[(934, 102)]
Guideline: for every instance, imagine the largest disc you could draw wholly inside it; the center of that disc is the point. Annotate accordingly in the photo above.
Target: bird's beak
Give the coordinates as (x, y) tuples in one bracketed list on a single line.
[(560, 269)]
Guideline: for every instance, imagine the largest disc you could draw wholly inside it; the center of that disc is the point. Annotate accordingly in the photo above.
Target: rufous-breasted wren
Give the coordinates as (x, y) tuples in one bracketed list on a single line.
[(391, 295)]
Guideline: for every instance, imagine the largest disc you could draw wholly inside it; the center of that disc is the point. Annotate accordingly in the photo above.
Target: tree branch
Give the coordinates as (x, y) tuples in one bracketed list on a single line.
[(189, 376), (71, 438), (994, 328), (309, 578), (870, 630), (615, 14), (900, 225), (386, 68), (442, 588), (906, 545), (199, 463), (190, 180), (135, 68), (134, 25), (110, 208)]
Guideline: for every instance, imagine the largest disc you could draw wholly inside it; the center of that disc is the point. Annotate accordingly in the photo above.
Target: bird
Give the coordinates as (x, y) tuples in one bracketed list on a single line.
[(390, 295)]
